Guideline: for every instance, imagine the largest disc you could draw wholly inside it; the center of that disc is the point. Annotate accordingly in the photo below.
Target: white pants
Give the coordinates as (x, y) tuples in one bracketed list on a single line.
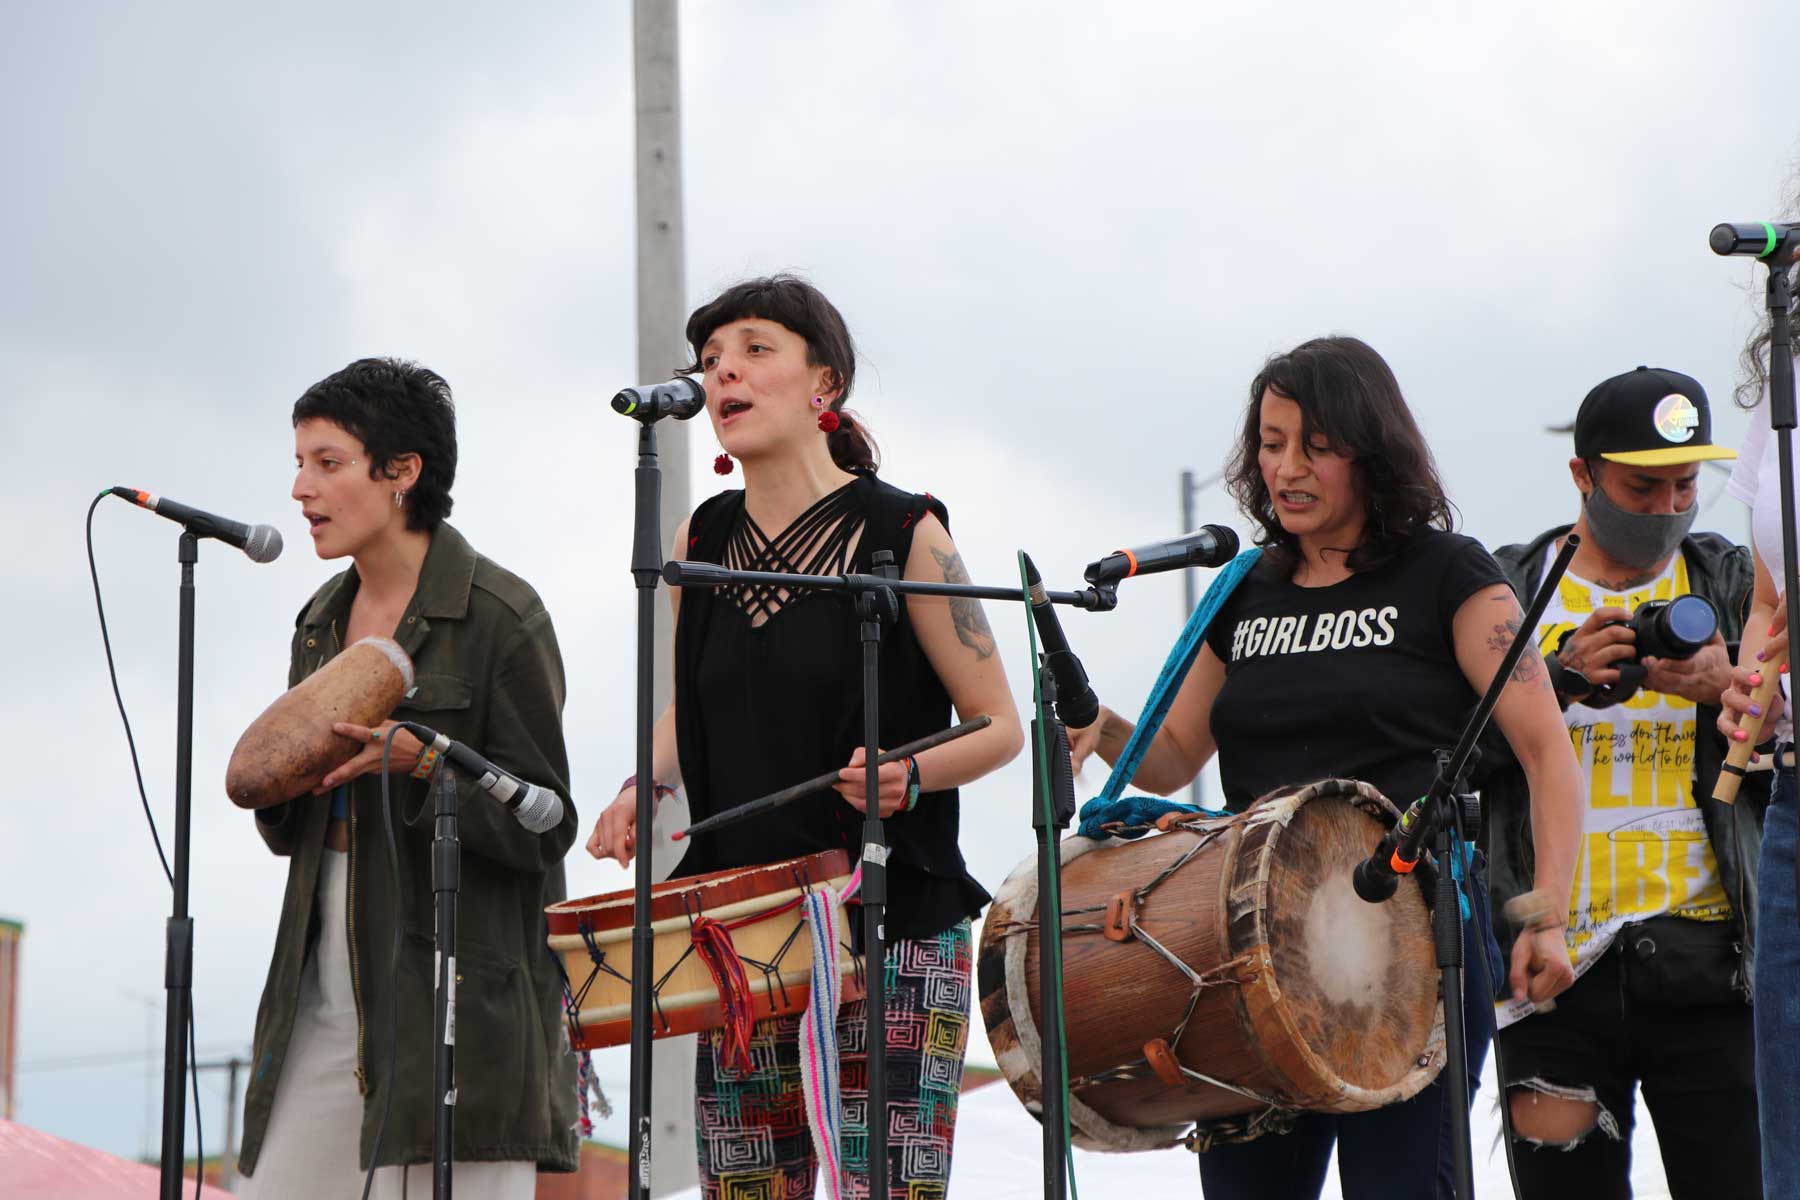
[(310, 1150)]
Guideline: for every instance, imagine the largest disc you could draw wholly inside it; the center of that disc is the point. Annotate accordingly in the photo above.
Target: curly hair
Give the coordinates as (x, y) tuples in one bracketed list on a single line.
[(792, 302), (1753, 360), (394, 407), (1349, 397)]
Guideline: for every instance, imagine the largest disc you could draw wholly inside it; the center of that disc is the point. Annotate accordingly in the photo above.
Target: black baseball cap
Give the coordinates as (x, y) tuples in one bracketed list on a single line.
[(1649, 417)]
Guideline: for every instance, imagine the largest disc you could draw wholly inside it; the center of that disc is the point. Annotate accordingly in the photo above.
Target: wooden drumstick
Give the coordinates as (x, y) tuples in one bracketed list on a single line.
[(1737, 760), (1531, 912), (820, 782)]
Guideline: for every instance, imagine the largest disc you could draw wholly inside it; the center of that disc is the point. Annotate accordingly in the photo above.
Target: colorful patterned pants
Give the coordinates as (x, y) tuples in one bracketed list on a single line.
[(751, 1126)]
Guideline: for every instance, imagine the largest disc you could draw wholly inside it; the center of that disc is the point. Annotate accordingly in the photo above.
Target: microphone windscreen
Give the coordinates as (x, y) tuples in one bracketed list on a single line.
[(263, 543), (541, 809)]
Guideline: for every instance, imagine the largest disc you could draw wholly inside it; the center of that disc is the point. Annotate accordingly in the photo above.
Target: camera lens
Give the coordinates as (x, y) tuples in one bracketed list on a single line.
[(1674, 628)]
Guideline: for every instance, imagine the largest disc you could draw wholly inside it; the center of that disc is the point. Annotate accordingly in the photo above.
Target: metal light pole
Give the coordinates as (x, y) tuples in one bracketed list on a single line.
[(1190, 579)]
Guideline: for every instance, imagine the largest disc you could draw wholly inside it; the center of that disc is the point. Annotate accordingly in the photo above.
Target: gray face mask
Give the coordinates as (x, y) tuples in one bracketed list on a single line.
[(1639, 540)]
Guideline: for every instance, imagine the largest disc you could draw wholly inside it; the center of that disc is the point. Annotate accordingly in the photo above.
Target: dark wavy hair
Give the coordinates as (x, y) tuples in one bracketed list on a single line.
[(1347, 395), (1753, 360), (791, 301), (394, 407)]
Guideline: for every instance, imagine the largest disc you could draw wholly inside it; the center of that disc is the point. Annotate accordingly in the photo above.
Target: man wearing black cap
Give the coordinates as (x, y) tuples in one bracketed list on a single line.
[(1660, 921)]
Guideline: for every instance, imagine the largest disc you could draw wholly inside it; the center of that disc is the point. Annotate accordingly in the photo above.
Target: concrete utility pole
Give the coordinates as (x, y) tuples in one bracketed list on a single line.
[(661, 317)]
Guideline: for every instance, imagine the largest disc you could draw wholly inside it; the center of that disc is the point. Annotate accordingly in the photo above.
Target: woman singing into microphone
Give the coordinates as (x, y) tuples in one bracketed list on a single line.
[(768, 692), (375, 452), (1355, 527)]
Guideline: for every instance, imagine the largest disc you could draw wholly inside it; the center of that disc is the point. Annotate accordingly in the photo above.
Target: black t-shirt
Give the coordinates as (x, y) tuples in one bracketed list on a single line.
[(1357, 680)]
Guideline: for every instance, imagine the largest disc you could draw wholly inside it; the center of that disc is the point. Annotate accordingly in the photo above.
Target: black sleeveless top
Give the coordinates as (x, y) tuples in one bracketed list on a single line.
[(760, 707)]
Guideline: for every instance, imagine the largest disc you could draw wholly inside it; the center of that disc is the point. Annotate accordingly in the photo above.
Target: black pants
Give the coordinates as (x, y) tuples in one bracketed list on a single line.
[(1697, 1067)]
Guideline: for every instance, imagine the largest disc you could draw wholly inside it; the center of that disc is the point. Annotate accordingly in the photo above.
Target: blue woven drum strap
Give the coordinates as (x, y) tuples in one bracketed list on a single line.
[(1112, 806)]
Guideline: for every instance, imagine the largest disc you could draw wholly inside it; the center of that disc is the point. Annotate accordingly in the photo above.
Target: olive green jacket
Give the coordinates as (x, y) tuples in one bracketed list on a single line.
[(488, 673)]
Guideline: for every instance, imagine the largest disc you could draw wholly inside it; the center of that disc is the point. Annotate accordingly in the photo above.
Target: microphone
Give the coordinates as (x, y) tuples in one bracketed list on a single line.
[(1076, 703), (1378, 876), (538, 809), (680, 398), (262, 543), (1208, 546), (1759, 239)]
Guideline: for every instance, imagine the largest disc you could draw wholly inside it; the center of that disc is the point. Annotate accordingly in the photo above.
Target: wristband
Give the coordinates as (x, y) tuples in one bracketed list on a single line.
[(912, 785), (658, 788), (1569, 684), (428, 759)]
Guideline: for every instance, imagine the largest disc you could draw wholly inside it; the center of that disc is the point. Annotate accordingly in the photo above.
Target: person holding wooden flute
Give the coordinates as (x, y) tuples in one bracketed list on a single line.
[(1755, 708)]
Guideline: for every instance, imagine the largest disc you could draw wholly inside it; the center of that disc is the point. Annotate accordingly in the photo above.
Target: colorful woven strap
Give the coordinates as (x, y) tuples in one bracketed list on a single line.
[(820, 1084)]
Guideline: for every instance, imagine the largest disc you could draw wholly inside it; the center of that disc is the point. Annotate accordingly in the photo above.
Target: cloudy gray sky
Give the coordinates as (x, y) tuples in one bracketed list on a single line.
[(1065, 235)]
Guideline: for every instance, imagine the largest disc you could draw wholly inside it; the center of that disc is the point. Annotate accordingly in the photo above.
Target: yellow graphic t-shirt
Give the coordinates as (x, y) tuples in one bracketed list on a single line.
[(1643, 849)]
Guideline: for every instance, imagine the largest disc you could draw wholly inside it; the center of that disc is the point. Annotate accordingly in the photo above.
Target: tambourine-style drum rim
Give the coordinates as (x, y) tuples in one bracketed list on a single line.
[(695, 894)]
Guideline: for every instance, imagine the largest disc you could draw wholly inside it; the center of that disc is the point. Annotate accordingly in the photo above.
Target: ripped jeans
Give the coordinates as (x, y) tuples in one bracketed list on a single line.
[(1696, 1066)]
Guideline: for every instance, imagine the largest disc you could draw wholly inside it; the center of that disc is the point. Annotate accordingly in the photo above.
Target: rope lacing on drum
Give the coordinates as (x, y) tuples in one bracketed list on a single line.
[(1235, 971), (770, 970), (587, 1083), (596, 957), (1275, 1119)]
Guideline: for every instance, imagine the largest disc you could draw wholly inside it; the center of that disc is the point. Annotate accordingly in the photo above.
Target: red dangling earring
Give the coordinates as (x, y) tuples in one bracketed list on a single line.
[(828, 421), (722, 465)]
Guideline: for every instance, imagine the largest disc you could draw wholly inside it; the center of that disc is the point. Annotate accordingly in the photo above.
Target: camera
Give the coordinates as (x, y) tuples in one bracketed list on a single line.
[(1673, 628), (1664, 629)]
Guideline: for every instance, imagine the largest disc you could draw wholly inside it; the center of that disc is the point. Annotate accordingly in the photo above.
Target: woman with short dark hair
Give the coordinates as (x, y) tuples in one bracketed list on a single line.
[(1356, 648), (768, 692), (375, 448)]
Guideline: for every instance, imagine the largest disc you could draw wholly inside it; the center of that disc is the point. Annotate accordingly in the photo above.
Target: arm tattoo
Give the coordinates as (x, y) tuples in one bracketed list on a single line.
[(1529, 667), (971, 623)]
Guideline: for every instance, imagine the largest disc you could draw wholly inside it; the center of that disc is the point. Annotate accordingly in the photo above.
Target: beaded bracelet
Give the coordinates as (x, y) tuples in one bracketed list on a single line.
[(427, 760), (659, 789), (912, 785)]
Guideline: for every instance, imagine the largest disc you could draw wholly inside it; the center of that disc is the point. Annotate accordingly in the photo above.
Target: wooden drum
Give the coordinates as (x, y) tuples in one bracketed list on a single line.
[(761, 908), (1221, 970)]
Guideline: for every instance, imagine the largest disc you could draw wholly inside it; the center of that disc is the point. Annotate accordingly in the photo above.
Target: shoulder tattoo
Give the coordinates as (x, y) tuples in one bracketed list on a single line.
[(965, 612), (1529, 667)]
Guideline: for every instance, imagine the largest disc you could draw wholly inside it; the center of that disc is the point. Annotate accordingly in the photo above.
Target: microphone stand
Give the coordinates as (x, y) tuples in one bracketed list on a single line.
[(446, 881), (646, 569), (178, 948), (876, 599), (1051, 769), (1440, 817)]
